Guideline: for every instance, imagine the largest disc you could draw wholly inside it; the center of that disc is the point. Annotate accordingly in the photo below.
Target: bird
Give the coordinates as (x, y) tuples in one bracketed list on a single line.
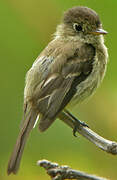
[(68, 70)]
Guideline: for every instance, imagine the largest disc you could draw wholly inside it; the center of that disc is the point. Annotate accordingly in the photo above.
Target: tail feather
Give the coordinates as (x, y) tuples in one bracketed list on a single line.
[(15, 159)]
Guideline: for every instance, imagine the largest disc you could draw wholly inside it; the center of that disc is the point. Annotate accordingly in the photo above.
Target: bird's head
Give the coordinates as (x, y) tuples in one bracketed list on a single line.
[(81, 23)]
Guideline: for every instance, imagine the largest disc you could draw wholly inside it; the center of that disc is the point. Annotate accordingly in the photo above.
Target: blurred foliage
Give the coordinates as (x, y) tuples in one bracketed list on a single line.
[(25, 29)]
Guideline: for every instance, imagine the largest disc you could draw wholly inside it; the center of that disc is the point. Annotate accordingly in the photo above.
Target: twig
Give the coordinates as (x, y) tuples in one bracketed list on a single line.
[(57, 172), (104, 144)]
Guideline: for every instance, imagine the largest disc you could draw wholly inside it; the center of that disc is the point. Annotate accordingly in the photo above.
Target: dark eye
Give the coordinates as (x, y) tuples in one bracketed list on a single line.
[(77, 27)]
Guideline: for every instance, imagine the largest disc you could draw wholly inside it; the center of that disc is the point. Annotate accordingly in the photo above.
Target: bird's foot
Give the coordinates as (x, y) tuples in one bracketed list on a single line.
[(77, 125), (77, 122)]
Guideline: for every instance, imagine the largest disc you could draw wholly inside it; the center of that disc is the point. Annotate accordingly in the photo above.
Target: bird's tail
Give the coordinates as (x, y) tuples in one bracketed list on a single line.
[(16, 155)]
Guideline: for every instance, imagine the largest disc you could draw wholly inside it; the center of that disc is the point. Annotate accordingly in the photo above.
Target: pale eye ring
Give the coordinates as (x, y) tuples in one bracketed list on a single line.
[(77, 27)]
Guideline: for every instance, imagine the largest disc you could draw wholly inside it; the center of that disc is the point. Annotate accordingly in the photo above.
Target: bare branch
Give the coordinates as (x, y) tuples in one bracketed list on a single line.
[(104, 144), (57, 172)]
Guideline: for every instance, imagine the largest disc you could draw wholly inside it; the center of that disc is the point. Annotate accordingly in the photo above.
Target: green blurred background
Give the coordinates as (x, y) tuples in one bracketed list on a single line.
[(25, 29)]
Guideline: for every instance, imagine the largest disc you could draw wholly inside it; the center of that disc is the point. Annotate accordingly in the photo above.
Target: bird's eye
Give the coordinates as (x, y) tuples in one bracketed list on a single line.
[(77, 27)]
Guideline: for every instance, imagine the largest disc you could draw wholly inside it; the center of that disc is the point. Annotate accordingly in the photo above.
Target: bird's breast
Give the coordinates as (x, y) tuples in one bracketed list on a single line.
[(87, 87)]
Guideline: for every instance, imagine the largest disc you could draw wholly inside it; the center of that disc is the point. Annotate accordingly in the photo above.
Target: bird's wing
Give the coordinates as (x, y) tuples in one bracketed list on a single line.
[(58, 88)]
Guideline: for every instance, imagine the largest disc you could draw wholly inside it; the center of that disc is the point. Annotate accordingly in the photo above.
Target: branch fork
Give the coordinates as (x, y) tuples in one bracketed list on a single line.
[(57, 172)]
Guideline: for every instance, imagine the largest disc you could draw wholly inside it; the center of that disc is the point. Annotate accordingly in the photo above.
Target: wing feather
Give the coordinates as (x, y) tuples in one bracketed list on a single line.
[(58, 86), (62, 93)]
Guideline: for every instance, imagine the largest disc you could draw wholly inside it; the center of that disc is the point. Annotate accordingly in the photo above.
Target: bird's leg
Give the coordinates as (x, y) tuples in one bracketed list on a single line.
[(77, 122)]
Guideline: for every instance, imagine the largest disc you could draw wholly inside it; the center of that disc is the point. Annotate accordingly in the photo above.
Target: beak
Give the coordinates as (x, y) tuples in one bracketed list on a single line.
[(99, 31)]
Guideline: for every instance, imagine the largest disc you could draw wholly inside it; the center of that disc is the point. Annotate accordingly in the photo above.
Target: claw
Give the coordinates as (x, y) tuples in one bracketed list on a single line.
[(74, 131), (77, 124), (84, 124)]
